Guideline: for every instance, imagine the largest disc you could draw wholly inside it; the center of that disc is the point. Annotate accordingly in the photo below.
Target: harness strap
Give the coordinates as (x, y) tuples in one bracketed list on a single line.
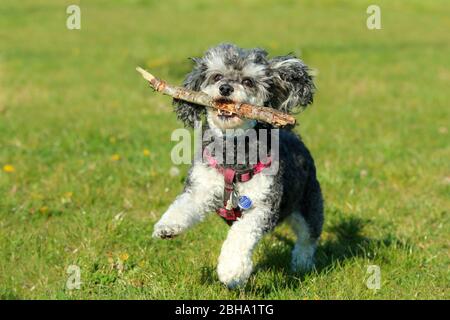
[(230, 176), (240, 176)]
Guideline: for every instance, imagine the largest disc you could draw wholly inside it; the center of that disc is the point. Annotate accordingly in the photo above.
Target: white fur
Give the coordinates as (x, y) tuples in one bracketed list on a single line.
[(254, 70), (235, 260), (215, 62), (204, 192), (284, 62), (305, 247), (219, 132), (191, 206)]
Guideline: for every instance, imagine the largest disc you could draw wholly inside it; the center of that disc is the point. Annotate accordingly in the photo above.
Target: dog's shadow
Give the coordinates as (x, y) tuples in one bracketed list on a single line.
[(344, 240)]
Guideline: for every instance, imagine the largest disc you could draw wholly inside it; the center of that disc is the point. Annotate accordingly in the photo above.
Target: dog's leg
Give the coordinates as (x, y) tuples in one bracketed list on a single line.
[(305, 246), (235, 260), (183, 213), (192, 205)]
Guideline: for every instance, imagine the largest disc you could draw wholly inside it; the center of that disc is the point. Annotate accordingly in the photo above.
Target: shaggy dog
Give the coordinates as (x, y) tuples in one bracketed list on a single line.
[(227, 72)]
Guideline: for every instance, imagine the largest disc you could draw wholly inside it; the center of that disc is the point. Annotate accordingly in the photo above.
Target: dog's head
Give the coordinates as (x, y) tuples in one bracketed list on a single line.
[(227, 72)]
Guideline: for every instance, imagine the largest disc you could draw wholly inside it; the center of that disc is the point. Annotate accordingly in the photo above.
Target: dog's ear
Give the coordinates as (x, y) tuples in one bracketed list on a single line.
[(292, 85), (186, 111)]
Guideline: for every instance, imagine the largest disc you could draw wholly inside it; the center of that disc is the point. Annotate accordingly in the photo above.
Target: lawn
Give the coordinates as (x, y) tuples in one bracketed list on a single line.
[(85, 148)]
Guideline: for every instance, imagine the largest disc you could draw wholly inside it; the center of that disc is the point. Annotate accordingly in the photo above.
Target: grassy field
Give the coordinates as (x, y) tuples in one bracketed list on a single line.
[(85, 148)]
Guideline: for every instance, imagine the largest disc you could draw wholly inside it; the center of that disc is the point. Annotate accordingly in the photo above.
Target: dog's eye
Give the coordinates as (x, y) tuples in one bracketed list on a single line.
[(217, 77), (248, 82)]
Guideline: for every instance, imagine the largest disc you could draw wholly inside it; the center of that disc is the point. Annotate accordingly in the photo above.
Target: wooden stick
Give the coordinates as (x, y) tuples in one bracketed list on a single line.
[(242, 110)]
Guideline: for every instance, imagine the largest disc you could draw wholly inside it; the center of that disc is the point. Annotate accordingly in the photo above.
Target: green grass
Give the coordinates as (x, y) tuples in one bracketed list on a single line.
[(71, 100)]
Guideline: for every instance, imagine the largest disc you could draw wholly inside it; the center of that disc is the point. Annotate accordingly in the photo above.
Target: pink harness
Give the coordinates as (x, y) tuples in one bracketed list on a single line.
[(231, 176)]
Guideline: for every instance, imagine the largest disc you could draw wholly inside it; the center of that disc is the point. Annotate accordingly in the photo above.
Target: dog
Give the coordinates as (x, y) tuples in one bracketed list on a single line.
[(227, 72)]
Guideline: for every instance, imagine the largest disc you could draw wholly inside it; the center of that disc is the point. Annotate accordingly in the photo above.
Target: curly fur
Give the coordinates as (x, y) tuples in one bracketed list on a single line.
[(285, 79), (292, 192)]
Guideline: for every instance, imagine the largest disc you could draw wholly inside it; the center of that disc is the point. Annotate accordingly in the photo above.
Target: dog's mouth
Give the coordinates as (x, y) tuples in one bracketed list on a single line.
[(223, 114), (226, 115)]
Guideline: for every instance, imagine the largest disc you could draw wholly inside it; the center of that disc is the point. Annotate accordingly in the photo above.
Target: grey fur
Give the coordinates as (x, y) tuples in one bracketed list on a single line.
[(186, 111), (295, 187), (285, 78), (281, 83)]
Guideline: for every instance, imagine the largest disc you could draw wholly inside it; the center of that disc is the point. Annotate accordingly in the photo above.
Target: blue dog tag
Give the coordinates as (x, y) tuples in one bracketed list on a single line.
[(245, 203)]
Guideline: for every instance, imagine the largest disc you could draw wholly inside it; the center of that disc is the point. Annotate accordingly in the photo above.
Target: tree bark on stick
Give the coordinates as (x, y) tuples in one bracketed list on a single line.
[(243, 110)]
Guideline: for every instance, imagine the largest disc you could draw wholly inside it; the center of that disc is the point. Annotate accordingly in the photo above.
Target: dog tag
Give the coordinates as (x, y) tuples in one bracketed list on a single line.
[(245, 203), (232, 201)]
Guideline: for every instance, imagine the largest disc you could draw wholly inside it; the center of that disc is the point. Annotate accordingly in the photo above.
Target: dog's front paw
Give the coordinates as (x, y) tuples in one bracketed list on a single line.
[(234, 271), (166, 231)]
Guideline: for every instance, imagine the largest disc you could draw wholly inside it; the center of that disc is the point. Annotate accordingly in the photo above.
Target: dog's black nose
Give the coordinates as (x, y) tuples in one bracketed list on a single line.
[(226, 90)]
